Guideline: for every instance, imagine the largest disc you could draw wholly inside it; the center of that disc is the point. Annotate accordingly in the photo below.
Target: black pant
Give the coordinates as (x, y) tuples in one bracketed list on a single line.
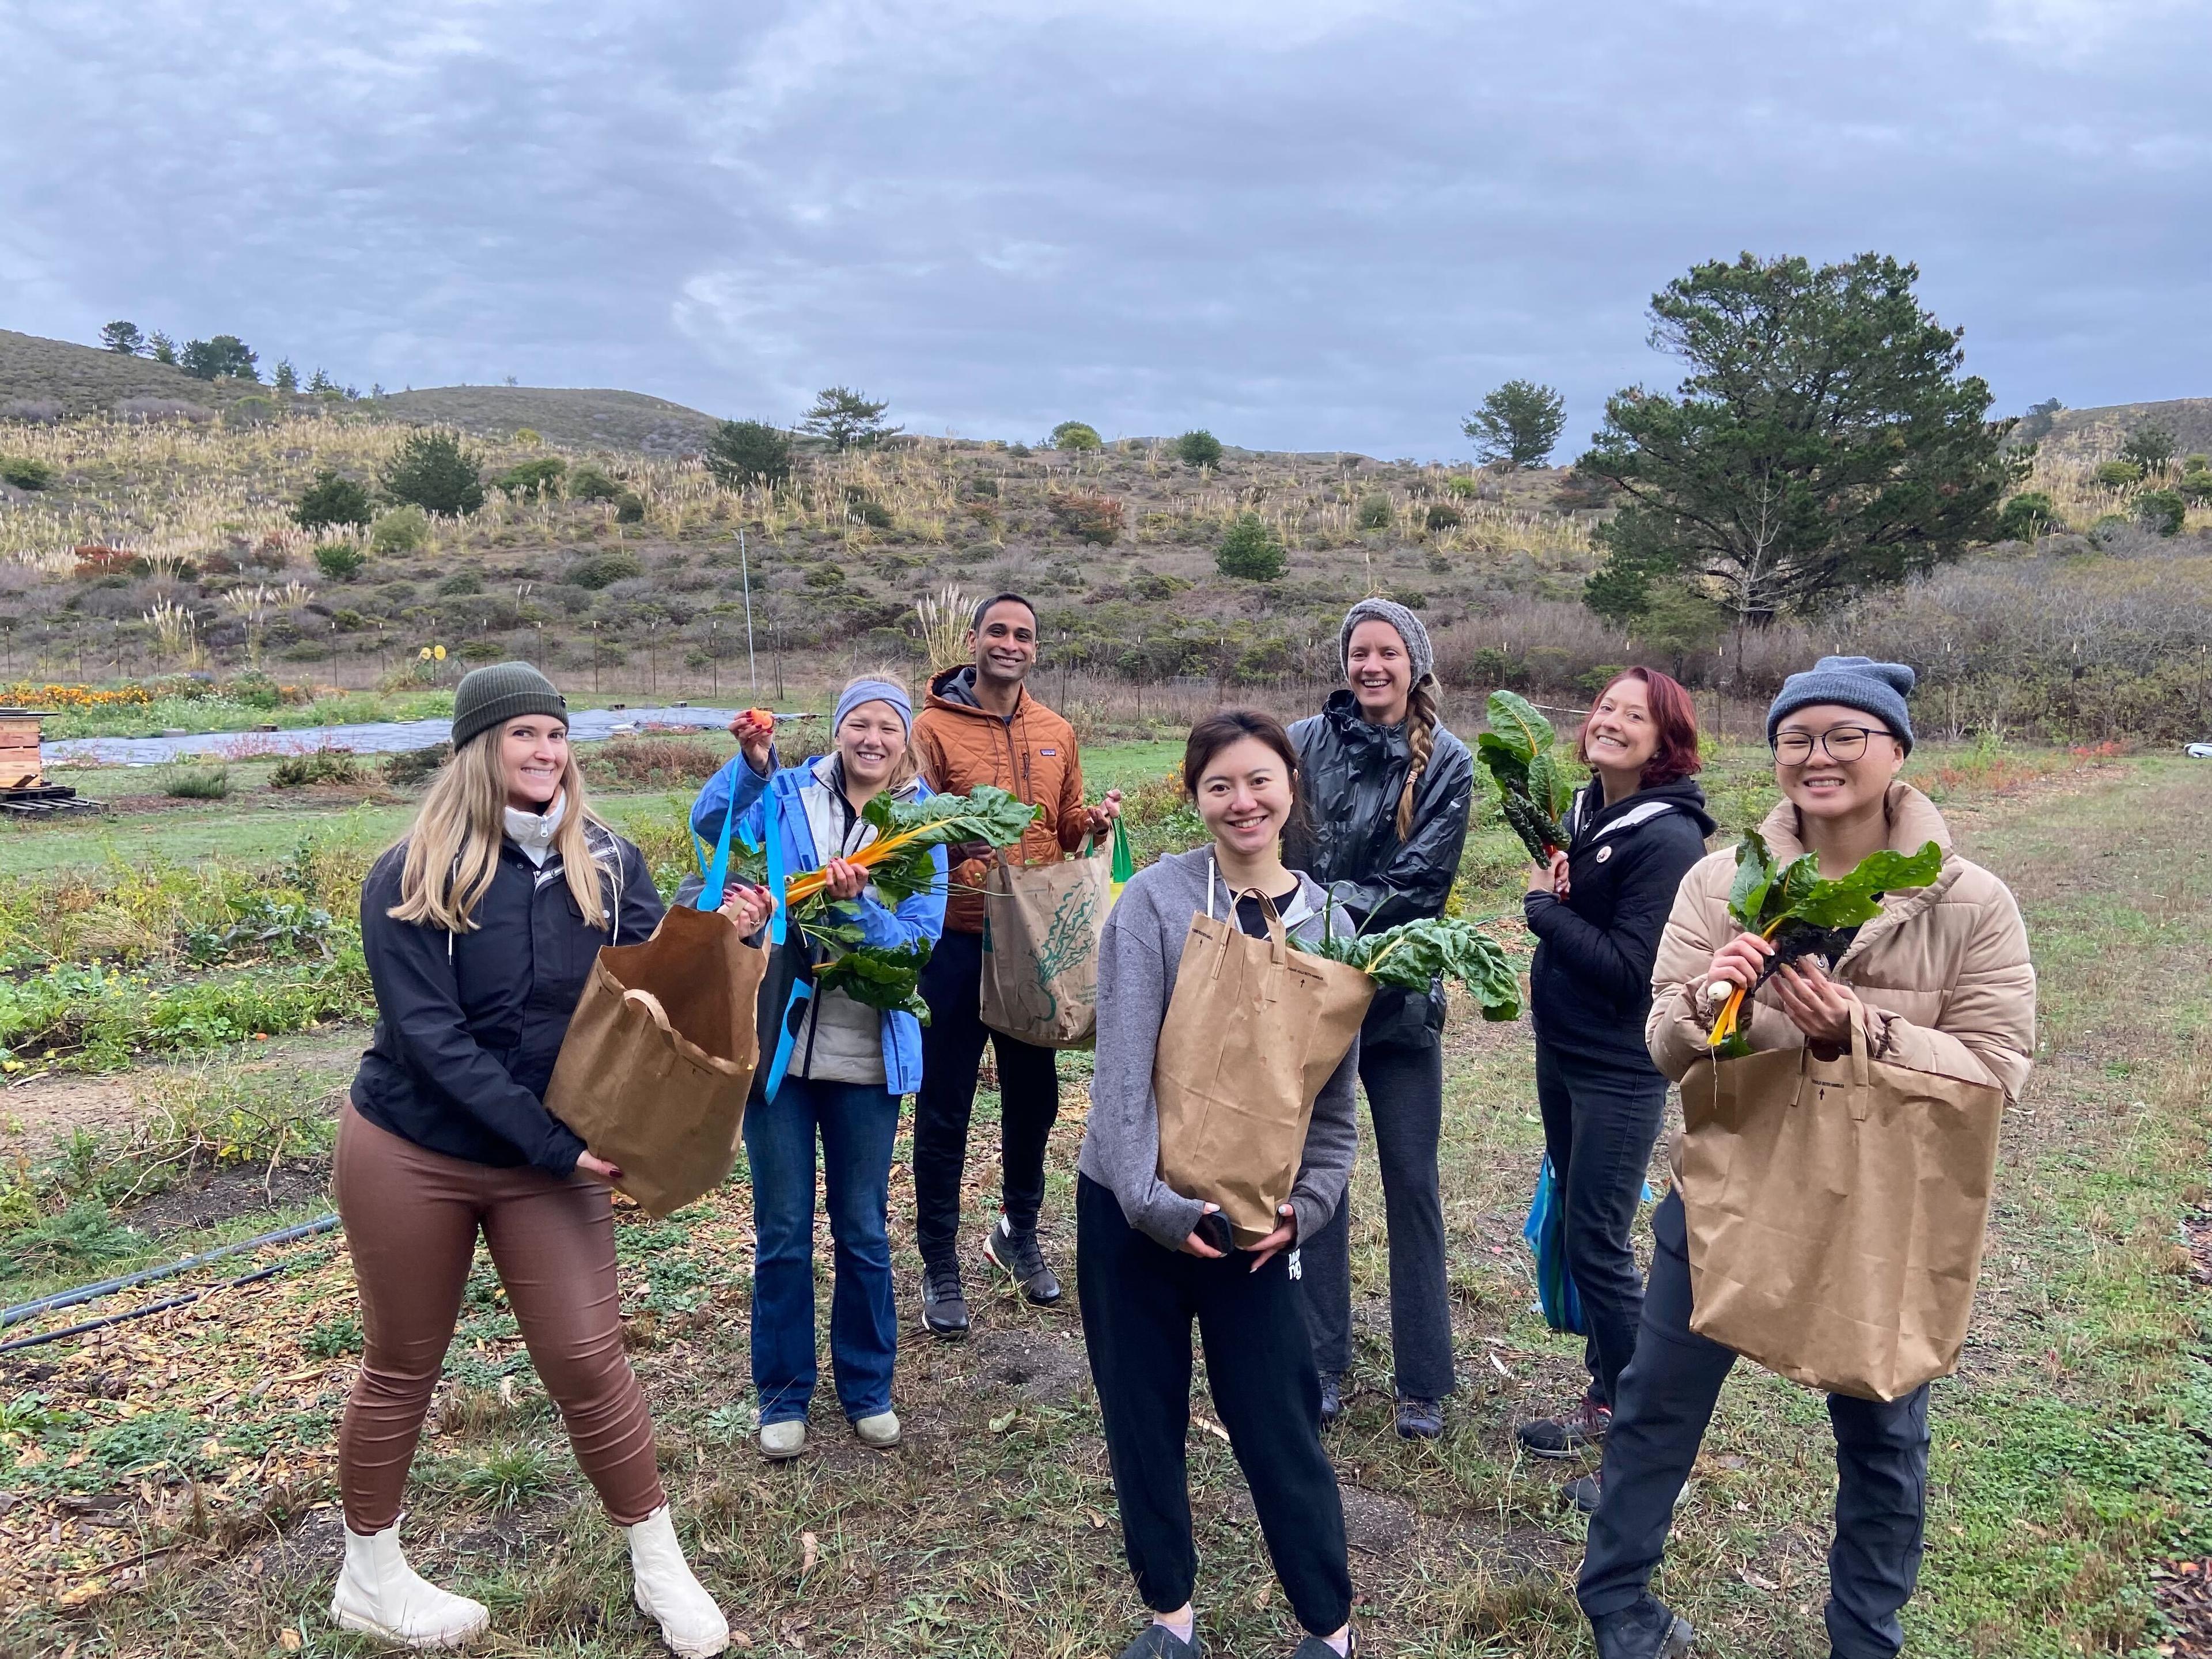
[(1406, 1099), (951, 1054), (1139, 1298), (1667, 1398), (1601, 1116)]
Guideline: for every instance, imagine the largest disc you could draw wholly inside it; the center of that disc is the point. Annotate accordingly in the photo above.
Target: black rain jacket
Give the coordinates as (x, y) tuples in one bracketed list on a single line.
[(1590, 987), (1350, 775), (468, 1026)]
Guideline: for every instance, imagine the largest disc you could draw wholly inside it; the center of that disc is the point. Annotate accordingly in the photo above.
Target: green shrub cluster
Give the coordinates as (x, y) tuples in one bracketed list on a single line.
[(26, 472)]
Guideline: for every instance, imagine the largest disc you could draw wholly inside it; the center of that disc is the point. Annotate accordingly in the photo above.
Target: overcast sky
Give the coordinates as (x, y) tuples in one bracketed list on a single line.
[(1311, 224)]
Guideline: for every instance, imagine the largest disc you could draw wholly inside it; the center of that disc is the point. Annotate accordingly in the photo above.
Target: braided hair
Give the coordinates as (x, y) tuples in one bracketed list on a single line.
[(1421, 740)]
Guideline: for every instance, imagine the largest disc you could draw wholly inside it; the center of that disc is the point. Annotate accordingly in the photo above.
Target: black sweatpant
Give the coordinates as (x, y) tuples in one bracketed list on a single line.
[(1666, 1399), (1601, 1117), (1138, 1299), (1406, 1099), (951, 1055)]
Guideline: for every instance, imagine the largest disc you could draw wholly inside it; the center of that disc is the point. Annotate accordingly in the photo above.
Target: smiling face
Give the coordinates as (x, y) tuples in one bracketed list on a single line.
[(1005, 643), (1620, 736), (533, 757), (1821, 786), (870, 742), (1244, 796), (1380, 672)]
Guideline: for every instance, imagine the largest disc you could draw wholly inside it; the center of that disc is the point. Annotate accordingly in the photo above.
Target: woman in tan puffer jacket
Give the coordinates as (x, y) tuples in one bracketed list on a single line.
[(1940, 981)]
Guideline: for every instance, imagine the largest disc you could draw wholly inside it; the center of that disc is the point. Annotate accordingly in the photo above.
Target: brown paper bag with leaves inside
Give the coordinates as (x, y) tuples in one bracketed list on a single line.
[(659, 1057), (1836, 1211), (1254, 1030)]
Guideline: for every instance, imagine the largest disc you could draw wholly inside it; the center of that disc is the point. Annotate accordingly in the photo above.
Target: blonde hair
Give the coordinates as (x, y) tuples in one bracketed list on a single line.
[(1421, 739), (452, 846), (908, 766)]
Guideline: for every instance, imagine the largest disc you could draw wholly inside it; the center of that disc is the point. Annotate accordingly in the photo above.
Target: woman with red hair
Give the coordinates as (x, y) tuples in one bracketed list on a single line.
[(1597, 909)]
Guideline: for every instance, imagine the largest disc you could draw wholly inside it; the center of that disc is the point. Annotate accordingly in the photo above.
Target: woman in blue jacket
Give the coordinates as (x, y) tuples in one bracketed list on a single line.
[(837, 1071)]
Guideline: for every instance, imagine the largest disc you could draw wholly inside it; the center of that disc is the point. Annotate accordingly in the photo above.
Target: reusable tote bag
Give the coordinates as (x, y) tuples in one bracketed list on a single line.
[(660, 1052), (1546, 1231), (1252, 1031), (1041, 929), (1836, 1211)]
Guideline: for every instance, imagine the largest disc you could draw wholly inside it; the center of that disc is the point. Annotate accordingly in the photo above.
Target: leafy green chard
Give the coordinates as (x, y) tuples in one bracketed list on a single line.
[(1534, 793), (1414, 954), (1803, 916)]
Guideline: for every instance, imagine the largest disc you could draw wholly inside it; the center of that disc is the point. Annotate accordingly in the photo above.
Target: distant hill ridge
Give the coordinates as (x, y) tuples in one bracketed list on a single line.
[(2087, 435)]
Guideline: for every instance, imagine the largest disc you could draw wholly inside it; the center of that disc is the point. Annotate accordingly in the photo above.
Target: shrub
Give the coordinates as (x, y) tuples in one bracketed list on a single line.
[(460, 583), (2026, 516), (1249, 550), (533, 478), (603, 569), (413, 766), (187, 781), (1440, 516), (865, 508), (741, 452), (2151, 448), (1373, 513), (333, 499), (1074, 434), (25, 472), (2195, 487), (2161, 510), (250, 411), (825, 575), (322, 766), (403, 530), (981, 486), (629, 508), (1091, 517), (1198, 449), (340, 561), (434, 472), (2118, 475), (1464, 485), (657, 762), (588, 483)]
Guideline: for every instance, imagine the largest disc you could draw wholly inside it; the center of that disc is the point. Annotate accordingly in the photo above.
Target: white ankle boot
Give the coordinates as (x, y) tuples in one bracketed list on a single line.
[(690, 1623), (378, 1593)]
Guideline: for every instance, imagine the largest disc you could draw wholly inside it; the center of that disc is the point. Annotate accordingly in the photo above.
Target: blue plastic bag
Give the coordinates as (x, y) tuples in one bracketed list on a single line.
[(1545, 1230)]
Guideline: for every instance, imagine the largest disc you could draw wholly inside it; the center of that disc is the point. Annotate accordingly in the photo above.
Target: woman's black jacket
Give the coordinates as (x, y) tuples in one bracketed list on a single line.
[(1590, 987), (1350, 775), (468, 1026)]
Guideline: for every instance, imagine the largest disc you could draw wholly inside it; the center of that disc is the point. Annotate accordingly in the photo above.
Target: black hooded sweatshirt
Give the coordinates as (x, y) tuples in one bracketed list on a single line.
[(1589, 986)]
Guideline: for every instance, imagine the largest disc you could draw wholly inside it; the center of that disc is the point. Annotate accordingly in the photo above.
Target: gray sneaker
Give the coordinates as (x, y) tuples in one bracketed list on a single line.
[(1013, 1251), (944, 1302)]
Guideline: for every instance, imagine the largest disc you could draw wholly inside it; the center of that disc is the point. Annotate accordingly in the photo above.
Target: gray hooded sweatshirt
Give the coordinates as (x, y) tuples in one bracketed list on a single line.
[(1138, 955)]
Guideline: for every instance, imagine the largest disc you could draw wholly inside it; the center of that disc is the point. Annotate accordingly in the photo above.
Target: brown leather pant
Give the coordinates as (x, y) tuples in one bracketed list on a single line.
[(412, 1218)]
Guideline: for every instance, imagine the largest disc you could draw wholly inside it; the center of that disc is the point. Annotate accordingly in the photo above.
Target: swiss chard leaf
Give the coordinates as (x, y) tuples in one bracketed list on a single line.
[(1411, 955), (1535, 790), (1754, 876), (1519, 725), (886, 977), (1851, 900), (984, 813)]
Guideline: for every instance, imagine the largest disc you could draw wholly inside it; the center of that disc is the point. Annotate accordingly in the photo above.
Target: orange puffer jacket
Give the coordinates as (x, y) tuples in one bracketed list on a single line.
[(1031, 754)]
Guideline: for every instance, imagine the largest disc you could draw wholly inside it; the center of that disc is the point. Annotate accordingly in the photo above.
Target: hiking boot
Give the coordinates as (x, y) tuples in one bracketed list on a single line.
[(1331, 1398), (944, 1302), (1419, 1418), (1158, 1641), (1013, 1250), (1646, 1630), (1583, 1494), (1566, 1437)]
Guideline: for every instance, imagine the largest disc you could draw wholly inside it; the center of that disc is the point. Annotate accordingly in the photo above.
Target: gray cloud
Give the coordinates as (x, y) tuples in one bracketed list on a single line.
[(1311, 224)]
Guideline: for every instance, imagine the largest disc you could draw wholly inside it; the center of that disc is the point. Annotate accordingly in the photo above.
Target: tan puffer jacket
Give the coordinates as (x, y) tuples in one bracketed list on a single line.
[(1943, 972)]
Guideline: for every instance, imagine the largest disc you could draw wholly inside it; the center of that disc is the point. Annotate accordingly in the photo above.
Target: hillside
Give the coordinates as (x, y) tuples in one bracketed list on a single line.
[(37, 374), (573, 419), (2088, 435)]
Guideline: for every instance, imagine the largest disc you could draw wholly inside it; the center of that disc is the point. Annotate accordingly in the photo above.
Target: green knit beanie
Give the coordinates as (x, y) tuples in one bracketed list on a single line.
[(501, 691)]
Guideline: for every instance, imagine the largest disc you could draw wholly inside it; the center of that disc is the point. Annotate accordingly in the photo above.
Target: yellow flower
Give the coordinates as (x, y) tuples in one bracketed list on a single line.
[(438, 651)]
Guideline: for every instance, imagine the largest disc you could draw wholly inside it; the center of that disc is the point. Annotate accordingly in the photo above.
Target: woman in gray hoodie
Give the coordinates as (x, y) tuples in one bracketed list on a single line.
[(1148, 1259)]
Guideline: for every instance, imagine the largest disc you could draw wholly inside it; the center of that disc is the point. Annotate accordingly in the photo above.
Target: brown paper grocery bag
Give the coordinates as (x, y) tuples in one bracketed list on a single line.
[(659, 1057), (1252, 1031), (1836, 1211), (1041, 929)]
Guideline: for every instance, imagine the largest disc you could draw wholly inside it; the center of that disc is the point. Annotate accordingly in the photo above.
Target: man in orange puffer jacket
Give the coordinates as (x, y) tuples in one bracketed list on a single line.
[(982, 725)]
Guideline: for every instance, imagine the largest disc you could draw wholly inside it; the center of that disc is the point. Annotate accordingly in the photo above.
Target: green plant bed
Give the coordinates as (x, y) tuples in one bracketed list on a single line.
[(226, 714)]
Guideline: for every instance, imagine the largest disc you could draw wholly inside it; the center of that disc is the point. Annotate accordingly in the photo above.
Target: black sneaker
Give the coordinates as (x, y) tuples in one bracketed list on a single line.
[(944, 1302), (1583, 1494), (1314, 1648), (1014, 1252), (1158, 1641), (1566, 1437), (1331, 1398), (1646, 1630), (1420, 1419)]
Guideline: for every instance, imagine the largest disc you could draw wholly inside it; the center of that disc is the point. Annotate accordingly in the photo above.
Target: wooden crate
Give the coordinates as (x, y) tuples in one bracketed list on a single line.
[(19, 750)]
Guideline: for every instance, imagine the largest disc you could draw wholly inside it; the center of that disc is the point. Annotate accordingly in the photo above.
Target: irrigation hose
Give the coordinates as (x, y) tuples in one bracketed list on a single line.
[(184, 1301), (107, 1287)]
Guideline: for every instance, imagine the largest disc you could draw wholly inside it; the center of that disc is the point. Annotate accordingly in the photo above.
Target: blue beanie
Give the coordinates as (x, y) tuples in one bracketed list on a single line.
[(861, 691), (1872, 688)]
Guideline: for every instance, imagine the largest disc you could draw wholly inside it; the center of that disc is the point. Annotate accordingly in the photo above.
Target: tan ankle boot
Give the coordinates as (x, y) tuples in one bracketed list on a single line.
[(690, 1623), (379, 1595)]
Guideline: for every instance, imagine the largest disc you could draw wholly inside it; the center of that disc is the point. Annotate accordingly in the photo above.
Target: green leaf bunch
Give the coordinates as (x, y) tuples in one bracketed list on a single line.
[(1518, 753), (1412, 955)]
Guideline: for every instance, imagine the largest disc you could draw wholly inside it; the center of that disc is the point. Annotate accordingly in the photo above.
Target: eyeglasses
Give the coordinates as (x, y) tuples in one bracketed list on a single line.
[(1839, 743)]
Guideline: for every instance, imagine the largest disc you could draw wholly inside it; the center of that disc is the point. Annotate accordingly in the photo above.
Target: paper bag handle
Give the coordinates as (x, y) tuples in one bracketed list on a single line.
[(1857, 1090)]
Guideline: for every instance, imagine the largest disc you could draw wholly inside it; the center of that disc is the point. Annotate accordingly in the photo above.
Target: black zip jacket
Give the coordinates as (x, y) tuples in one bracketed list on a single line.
[(1350, 775), (1589, 986), (468, 1026)]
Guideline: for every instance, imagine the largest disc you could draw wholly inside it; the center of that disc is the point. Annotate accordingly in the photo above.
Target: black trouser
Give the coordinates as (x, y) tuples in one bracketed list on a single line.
[(1406, 1099), (951, 1054), (1139, 1298), (1601, 1117), (1667, 1398)]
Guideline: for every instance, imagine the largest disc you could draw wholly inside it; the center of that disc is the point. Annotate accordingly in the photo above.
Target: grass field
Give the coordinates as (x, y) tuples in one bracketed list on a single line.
[(170, 1478)]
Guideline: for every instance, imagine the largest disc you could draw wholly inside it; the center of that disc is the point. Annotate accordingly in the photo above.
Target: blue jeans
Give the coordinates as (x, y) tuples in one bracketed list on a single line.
[(857, 1124)]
